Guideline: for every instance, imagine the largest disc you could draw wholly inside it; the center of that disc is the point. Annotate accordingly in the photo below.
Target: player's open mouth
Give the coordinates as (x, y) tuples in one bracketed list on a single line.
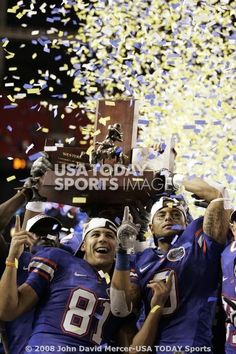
[(102, 250)]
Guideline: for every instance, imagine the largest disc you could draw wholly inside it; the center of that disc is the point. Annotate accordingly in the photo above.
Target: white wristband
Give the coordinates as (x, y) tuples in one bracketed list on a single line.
[(37, 207), (178, 180)]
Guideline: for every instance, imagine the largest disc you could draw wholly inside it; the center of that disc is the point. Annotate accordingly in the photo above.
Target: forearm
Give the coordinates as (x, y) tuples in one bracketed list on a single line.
[(3, 248), (8, 208), (201, 188), (147, 334), (120, 286), (216, 221), (8, 293)]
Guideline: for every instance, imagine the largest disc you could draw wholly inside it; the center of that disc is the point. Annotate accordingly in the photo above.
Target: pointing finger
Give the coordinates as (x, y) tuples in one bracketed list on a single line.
[(126, 213), (17, 224)]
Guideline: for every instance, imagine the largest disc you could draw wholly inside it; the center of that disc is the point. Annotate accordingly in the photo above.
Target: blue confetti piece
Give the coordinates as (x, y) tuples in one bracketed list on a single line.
[(188, 126), (9, 106), (27, 86), (58, 57), (200, 121), (118, 150), (174, 6), (33, 107), (151, 156), (232, 36), (128, 63), (197, 131), (138, 45), (212, 299), (35, 156), (142, 121), (229, 178), (150, 96), (49, 19), (57, 96), (114, 43), (162, 147)]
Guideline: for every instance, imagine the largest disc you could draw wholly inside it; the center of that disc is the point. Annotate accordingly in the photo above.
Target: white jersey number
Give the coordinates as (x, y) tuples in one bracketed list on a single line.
[(80, 312), (171, 303)]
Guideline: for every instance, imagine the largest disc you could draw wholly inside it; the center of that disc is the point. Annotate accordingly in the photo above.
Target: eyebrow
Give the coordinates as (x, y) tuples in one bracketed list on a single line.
[(169, 211)]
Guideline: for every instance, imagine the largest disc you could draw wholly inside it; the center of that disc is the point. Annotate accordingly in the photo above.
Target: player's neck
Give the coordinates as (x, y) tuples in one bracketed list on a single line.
[(164, 246), (104, 269)]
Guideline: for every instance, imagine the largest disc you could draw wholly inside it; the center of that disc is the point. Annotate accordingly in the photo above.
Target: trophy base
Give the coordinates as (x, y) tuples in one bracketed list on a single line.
[(100, 190)]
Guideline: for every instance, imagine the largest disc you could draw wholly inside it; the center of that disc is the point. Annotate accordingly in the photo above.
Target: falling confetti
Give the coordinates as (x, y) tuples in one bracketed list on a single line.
[(177, 58)]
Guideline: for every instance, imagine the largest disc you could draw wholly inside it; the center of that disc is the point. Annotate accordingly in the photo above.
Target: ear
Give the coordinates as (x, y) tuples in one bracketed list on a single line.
[(82, 247), (151, 228)]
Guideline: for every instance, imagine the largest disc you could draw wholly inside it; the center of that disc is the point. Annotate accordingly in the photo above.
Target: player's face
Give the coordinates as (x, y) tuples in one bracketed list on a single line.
[(100, 246), (164, 222), (47, 241)]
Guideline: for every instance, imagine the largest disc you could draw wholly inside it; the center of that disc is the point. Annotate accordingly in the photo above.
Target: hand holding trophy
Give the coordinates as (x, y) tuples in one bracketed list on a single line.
[(127, 232)]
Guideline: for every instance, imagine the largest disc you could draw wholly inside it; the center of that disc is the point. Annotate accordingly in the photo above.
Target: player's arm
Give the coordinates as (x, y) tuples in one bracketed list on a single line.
[(15, 301), (7, 210), (9, 207), (216, 218), (3, 249), (147, 334), (120, 291)]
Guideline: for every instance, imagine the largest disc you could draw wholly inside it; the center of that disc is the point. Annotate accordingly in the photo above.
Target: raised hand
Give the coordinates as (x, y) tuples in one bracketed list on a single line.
[(141, 216), (127, 232), (173, 181), (20, 238), (40, 166)]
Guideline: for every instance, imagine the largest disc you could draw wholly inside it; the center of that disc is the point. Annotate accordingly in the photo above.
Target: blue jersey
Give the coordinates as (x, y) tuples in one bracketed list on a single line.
[(228, 261), (19, 330), (74, 306), (189, 311)]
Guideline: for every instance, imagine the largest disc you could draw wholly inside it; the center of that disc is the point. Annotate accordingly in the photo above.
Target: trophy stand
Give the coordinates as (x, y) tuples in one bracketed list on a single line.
[(117, 173)]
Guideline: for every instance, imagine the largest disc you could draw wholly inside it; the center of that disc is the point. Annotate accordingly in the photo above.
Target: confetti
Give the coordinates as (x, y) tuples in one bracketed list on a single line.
[(73, 127), (45, 130), (81, 200), (11, 178), (97, 132), (104, 120), (69, 140), (29, 148), (110, 103), (180, 64)]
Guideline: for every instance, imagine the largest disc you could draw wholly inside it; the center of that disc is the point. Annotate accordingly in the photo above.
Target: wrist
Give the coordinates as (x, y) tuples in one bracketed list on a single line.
[(122, 260), (157, 308), (27, 193), (177, 180), (11, 262)]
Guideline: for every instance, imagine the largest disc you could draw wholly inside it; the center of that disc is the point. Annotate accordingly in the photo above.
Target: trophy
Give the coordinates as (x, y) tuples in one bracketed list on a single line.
[(117, 171)]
